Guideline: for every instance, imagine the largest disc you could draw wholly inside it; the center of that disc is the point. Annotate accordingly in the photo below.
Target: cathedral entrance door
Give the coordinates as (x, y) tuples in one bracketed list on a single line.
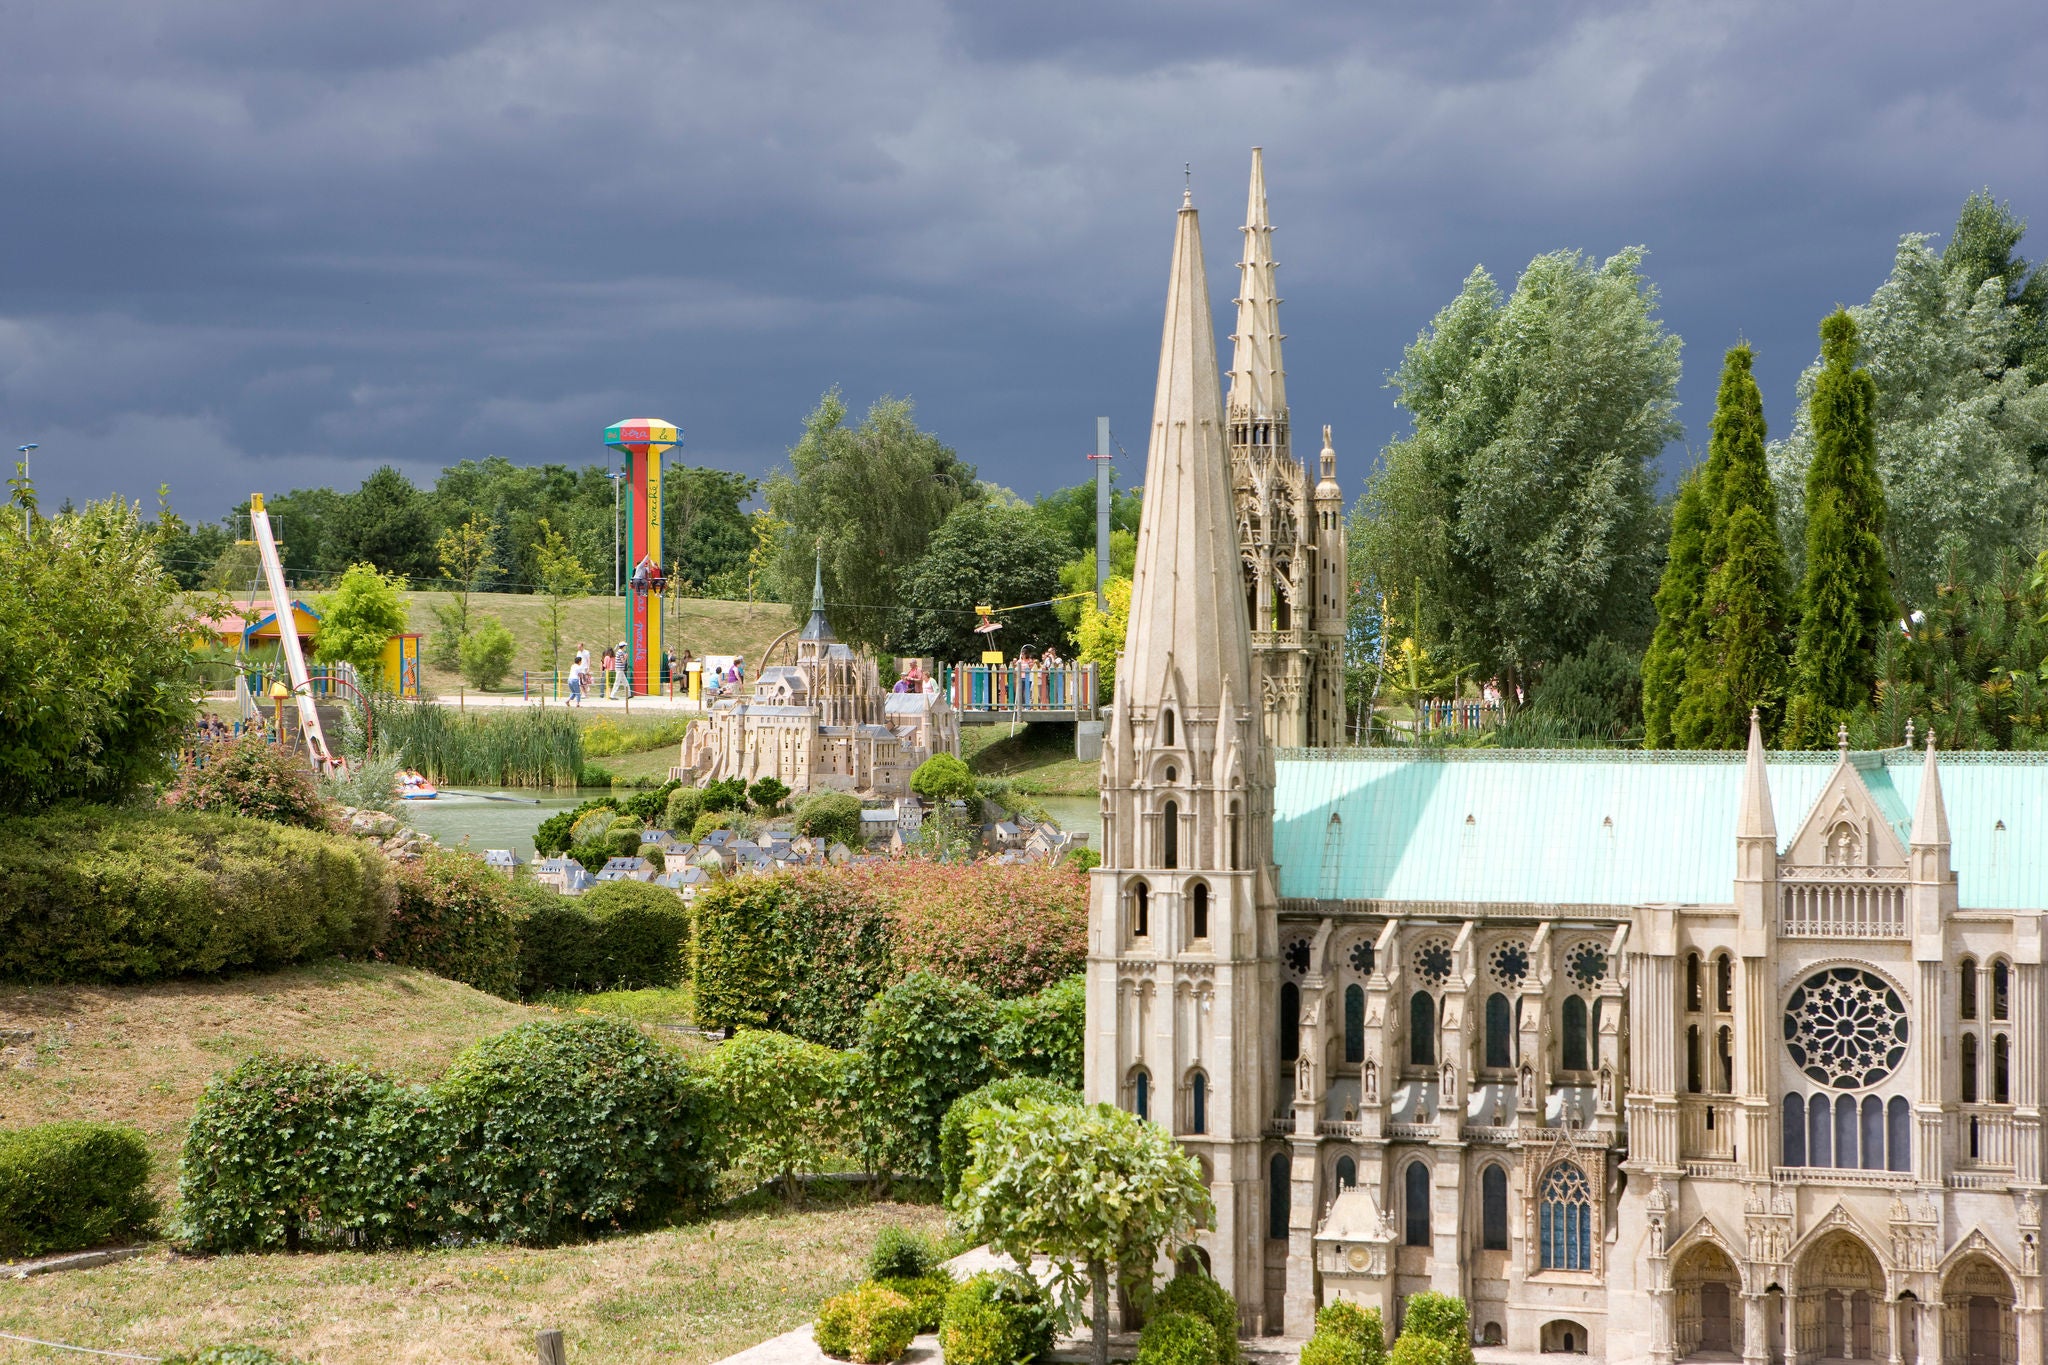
[(1714, 1334), (1834, 1328), (1984, 1345)]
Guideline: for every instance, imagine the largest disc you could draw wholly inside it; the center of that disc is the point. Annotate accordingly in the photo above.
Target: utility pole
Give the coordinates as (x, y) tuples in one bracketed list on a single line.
[(1101, 457), (615, 531)]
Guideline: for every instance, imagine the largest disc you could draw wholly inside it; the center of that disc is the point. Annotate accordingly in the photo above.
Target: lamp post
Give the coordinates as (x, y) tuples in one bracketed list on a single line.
[(24, 450), (615, 478)]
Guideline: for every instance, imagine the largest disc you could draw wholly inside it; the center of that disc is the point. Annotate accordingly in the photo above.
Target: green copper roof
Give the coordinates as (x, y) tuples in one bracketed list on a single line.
[(1612, 827)]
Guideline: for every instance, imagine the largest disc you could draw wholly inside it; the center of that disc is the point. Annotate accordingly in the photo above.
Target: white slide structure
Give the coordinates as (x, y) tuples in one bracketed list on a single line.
[(288, 637)]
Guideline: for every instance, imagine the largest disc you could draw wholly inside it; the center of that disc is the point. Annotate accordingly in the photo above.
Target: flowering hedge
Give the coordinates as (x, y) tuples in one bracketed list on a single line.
[(1010, 929)]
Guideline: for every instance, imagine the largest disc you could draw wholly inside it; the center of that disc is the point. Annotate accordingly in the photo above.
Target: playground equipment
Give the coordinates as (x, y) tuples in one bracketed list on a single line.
[(641, 440), (288, 640)]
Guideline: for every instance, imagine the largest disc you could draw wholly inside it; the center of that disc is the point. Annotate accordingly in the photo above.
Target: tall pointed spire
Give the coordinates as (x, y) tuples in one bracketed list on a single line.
[(1187, 594), (1755, 819), (1258, 384), (818, 628), (1930, 812)]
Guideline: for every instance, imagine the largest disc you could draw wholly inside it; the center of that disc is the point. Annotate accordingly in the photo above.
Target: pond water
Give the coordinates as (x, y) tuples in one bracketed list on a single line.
[(1076, 815)]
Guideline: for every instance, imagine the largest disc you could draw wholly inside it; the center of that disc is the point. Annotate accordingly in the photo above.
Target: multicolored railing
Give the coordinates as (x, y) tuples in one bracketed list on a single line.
[(1061, 691)]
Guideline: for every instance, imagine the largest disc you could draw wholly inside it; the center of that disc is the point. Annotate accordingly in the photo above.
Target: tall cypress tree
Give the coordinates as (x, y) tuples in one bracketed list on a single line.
[(1845, 602), (1678, 601), (1737, 654)]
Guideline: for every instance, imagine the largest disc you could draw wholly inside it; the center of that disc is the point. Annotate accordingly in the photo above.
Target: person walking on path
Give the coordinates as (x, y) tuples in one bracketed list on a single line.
[(622, 685)]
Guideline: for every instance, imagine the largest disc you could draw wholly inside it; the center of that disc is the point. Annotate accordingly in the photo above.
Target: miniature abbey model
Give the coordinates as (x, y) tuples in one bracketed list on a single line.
[(1578, 1037)]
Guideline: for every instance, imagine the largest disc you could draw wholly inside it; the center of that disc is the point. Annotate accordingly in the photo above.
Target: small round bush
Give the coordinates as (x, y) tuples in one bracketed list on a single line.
[(995, 1318), (942, 777), (593, 824), (1414, 1350), (956, 1143), (871, 1324), (1441, 1318), (251, 776), (1328, 1347), (643, 932), (901, 1254), (1195, 1291), (1362, 1325), (1177, 1339), (927, 1294), (684, 806), (70, 1186), (831, 816), (708, 821), (623, 839)]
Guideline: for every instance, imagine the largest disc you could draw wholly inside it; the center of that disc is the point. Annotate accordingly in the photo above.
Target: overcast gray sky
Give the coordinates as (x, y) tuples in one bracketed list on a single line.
[(264, 245)]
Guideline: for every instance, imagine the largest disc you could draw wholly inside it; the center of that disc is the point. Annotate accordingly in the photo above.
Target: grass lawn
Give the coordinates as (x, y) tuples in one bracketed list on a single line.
[(142, 1054), (679, 1296), (655, 1005), (1038, 760)]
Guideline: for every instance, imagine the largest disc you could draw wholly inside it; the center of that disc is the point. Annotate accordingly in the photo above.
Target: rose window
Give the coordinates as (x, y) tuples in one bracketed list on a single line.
[(1433, 961), (1846, 1028), (1587, 964), (1509, 963), (1361, 957), (1297, 957)]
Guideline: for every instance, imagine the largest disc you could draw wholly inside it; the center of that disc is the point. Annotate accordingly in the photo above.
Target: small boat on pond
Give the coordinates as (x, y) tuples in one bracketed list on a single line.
[(413, 787)]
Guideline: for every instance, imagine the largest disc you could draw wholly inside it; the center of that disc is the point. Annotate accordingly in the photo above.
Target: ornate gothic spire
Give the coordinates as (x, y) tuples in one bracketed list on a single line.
[(1930, 812), (1187, 595), (818, 628), (1754, 819), (1258, 385)]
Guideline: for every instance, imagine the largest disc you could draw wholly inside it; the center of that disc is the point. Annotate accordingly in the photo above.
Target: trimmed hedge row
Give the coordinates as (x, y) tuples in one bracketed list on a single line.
[(553, 1130), (93, 893), (71, 1186)]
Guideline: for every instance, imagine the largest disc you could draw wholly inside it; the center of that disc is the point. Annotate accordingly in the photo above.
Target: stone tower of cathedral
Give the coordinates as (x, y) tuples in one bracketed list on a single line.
[(1290, 532), (1181, 971)]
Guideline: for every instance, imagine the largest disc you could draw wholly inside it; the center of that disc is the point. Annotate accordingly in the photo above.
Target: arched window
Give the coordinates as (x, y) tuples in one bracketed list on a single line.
[(1873, 1133), (1235, 819), (1966, 988), (1141, 910), (1692, 1059), (1724, 983), (1347, 1172), (1141, 1093), (1575, 1034), (1845, 1133), (1969, 1068), (1898, 1117), (1415, 1204), (1354, 1024), (1599, 1013), (1166, 727), (1200, 915), (1795, 1131), (2001, 990), (1422, 1029), (1499, 1031), (1820, 1123), (1276, 1197), (1493, 1208), (2001, 1069), (1564, 1219), (1198, 1103), (1724, 1060), (1290, 1021), (1692, 982), (1169, 835)]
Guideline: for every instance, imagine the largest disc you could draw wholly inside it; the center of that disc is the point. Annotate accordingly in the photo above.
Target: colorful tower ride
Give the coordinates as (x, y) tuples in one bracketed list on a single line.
[(641, 440)]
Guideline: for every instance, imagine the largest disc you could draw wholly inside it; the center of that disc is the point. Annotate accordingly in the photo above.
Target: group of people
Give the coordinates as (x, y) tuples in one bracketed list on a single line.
[(613, 677), (915, 679), (733, 675)]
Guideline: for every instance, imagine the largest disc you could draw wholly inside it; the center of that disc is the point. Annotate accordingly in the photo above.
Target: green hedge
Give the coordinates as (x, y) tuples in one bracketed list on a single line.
[(924, 1043), (870, 1324), (93, 893), (553, 1130), (1362, 1325), (1197, 1293), (956, 1140), (618, 936), (1043, 1034), (70, 1186), (1177, 1339), (454, 918), (995, 1318)]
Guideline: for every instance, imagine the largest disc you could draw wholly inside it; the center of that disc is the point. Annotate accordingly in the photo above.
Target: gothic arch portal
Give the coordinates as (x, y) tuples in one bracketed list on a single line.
[(1840, 1311)]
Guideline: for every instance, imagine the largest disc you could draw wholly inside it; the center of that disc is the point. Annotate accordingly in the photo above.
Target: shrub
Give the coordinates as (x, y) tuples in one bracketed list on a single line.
[(69, 1186), (561, 1128), (656, 856), (593, 856), (834, 949), (1414, 1350), (622, 840), (767, 793), (1177, 1339), (732, 959), (454, 919), (251, 776), (556, 834), (1197, 1293), (1333, 1348), (487, 654), (901, 1254), (870, 1324), (1082, 859), (942, 778), (728, 793), (1440, 1318), (708, 821), (777, 1105), (927, 1295), (649, 806), (643, 934), (98, 894), (1362, 1325), (1011, 929), (594, 824), (1043, 1034), (956, 1141), (925, 1042), (831, 816), (684, 806), (997, 1318)]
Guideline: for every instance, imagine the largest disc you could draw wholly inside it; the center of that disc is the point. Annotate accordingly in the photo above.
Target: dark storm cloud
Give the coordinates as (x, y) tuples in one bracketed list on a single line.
[(266, 245)]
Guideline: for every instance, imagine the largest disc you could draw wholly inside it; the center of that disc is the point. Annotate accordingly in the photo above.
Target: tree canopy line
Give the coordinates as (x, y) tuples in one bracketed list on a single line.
[(1882, 561)]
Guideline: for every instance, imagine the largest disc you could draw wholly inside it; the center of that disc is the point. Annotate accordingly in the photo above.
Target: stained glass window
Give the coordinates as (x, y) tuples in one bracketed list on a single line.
[(1564, 1219)]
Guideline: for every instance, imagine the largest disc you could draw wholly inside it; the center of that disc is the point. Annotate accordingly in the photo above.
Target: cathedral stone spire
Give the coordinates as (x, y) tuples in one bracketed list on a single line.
[(1187, 596), (1930, 812), (818, 628), (1258, 384), (1755, 819)]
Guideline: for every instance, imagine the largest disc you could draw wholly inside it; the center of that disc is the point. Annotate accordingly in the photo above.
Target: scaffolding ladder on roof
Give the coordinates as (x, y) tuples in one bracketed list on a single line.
[(288, 637)]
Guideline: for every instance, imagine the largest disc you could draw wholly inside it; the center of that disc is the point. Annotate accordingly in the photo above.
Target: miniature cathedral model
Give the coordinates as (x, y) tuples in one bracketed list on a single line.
[(1577, 1037)]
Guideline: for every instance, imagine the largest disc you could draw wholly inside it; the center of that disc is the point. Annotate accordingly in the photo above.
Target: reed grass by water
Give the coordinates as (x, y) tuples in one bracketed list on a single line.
[(527, 747)]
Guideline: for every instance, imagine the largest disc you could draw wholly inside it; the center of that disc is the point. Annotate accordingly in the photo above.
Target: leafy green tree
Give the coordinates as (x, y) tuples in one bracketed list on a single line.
[(984, 555), (942, 778), (1099, 638), (778, 1104), (96, 692), (1077, 576), (487, 654), (1983, 248), (1093, 1190), (500, 571), (465, 555), (1524, 496), (562, 576), (1069, 514), (704, 531), (364, 610), (1845, 600), (767, 794), (925, 1042), (1678, 610), (187, 552), (385, 523), (869, 499)]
